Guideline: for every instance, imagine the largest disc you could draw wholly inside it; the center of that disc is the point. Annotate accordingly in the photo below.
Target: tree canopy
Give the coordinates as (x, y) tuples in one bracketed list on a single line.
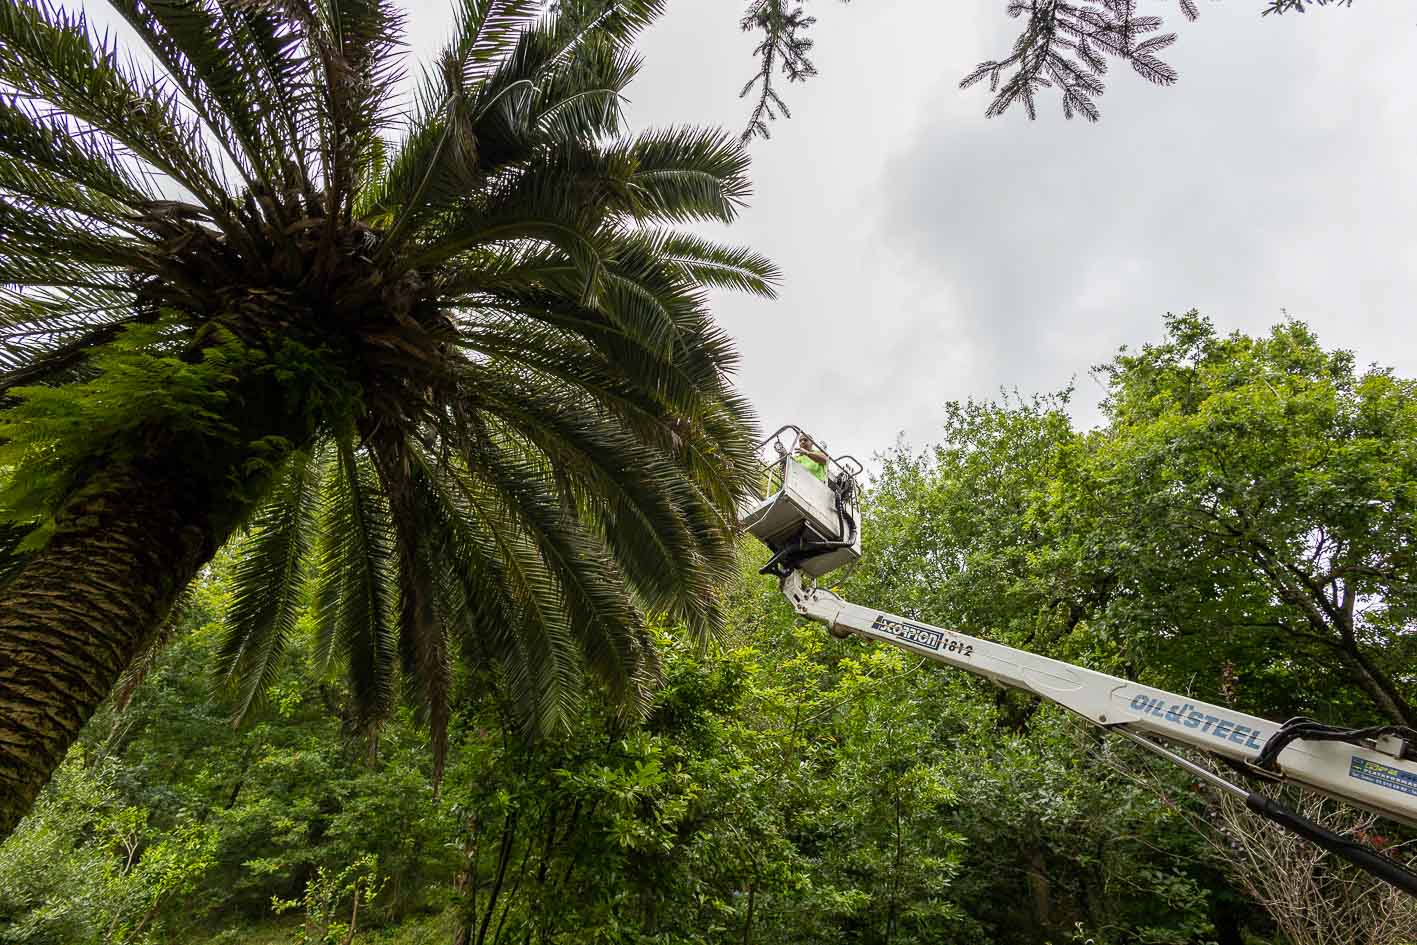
[(1239, 526), (1261, 494)]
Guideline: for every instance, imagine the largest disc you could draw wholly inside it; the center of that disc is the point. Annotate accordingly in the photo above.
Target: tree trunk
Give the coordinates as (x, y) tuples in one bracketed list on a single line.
[(1379, 688), (1040, 890), (1372, 680), (80, 609)]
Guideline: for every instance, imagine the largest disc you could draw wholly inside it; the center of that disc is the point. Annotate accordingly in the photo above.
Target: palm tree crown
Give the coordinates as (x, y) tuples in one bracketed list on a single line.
[(455, 381)]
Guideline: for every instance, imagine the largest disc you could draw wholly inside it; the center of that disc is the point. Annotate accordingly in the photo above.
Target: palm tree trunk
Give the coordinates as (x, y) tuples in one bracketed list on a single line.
[(80, 609)]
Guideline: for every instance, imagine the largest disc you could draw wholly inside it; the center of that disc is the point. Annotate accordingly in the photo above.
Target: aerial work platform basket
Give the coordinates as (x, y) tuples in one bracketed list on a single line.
[(810, 523)]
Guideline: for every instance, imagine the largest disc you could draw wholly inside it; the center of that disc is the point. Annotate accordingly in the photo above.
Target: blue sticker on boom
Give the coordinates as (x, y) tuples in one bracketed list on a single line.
[(1374, 772)]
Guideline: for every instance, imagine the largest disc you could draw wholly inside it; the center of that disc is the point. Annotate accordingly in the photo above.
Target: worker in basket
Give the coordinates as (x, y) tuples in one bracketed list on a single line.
[(810, 457)]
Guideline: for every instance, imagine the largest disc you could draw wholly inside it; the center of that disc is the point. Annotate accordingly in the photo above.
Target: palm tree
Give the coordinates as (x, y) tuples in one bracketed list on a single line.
[(460, 380)]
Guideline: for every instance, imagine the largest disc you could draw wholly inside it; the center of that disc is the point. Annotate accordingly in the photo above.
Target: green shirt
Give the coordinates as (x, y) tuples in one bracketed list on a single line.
[(819, 470)]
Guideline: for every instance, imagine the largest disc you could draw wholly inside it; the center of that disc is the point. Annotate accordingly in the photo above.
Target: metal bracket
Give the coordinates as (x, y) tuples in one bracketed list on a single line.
[(792, 589), (1393, 745)]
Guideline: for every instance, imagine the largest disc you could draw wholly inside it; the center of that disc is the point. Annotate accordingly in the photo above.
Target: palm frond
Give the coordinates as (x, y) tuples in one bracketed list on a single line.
[(422, 636), (424, 647), (45, 333), (276, 49), (581, 102), (603, 620), (197, 45), (633, 497), (486, 31), (33, 364), (567, 198), (630, 308), (509, 103), (702, 262), (539, 215), (472, 598), (356, 42), (22, 270), (357, 589), (38, 153), (54, 196), (498, 596), (31, 228), (558, 79), (682, 405), (637, 387), (48, 54), (646, 494), (269, 585), (684, 174), (439, 150)]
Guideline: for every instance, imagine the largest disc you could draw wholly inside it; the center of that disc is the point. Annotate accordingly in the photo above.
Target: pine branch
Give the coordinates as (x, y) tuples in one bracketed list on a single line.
[(1063, 45), (784, 49), (1280, 7)]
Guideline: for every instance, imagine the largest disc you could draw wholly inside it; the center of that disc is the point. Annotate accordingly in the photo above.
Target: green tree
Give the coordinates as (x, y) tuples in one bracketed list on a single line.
[(963, 533), (88, 868), (288, 795), (1239, 528), (986, 531), (1255, 500), (325, 901), (657, 831), (789, 787), (466, 383)]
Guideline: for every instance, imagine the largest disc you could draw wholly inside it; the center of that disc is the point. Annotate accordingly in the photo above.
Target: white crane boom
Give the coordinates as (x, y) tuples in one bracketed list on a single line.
[(1377, 778), (809, 519)]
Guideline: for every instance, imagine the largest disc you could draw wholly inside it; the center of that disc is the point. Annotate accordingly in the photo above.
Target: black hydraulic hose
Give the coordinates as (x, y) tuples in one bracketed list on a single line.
[(843, 519), (1360, 855), (1302, 729), (776, 564)]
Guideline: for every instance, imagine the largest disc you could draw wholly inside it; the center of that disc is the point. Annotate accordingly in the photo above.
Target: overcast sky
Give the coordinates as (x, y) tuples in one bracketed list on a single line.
[(931, 254)]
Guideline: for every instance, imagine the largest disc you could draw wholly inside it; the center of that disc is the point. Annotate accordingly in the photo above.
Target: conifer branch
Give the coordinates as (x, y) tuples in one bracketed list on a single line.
[(1064, 45)]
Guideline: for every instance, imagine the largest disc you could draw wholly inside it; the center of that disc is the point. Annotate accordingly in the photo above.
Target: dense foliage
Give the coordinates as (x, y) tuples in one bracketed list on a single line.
[(787, 787)]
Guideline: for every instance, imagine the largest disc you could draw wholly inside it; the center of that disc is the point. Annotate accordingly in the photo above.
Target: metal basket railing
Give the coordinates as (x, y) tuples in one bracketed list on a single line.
[(774, 463)]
